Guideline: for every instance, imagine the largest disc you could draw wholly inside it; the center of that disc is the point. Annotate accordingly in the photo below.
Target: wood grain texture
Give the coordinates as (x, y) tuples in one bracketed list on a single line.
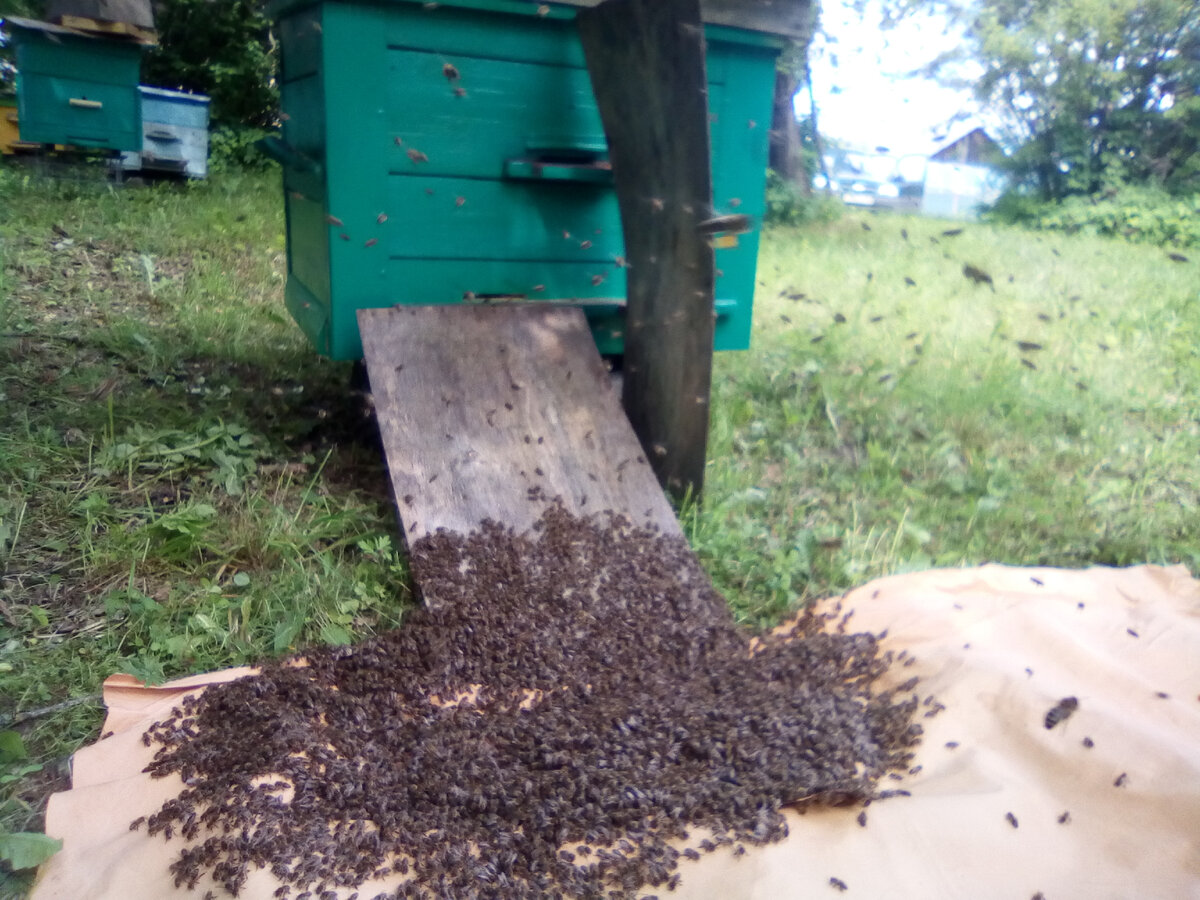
[(492, 412), (787, 18), (646, 59)]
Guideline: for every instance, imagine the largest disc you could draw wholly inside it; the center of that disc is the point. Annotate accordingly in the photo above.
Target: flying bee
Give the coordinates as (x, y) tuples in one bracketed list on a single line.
[(837, 884), (450, 72), (1121, 780), (1064, 818), (333, 220), (1061, 711), (417, 156), (370, 242), (584, 245), (1011, 819), (381, 218)]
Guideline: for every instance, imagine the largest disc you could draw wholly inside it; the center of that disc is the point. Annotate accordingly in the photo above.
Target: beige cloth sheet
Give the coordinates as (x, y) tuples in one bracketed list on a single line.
[(999, 646)]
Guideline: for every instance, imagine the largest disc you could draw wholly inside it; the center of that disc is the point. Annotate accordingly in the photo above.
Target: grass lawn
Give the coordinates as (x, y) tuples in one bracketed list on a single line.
[(185, 485)]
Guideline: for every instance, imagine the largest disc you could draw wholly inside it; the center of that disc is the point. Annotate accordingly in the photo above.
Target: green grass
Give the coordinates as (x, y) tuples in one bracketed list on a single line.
[(185, 485), (879, 427)]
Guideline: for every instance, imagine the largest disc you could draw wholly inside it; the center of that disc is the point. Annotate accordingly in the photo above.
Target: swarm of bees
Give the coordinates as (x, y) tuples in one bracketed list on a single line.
[(620, 709)]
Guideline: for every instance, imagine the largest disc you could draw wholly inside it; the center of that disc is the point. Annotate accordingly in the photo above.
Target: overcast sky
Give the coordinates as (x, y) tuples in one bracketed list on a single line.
[(861, 96)]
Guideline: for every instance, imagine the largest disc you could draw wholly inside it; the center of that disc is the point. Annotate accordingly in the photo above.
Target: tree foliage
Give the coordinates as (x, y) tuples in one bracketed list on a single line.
[(1095, 93), (222, 48)]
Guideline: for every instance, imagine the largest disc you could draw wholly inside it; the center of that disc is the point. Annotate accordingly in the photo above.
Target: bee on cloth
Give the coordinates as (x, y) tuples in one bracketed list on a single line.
[(1061, 711)]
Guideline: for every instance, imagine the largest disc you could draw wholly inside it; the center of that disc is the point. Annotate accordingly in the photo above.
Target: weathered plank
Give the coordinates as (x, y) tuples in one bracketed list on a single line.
[(646, 60), (492, 412), (787, 18)]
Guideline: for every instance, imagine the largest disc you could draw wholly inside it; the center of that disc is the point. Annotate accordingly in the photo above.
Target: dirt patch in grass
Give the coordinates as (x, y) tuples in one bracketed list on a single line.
[(60, 278)]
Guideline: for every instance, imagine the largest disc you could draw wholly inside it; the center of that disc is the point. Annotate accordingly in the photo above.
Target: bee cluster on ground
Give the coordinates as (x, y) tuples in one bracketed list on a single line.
[(569, 713)]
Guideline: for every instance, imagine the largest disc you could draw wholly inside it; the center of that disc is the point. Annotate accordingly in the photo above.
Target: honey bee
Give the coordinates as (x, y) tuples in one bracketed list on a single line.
[(584, 245), (370, 242), (344, 236), (381, 218), (334, 220), (1061, 711), (1120, 780), (735, 202), (1011, 819), (417, 156), (538, 288), (1088, 743), (862, 819), (460, 201), (460, 92), (450, 72), (837, 884), (543, 10), (597, 280), (1064, 818)]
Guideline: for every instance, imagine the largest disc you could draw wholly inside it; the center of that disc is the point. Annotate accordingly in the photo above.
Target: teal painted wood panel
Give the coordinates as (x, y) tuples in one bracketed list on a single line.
[(493, 111), (415, 187), (740, 137), (79, 91), (468, 218)]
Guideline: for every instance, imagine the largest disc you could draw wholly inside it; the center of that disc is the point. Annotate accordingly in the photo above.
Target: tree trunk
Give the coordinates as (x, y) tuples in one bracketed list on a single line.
[(646, 59), (784, 155)]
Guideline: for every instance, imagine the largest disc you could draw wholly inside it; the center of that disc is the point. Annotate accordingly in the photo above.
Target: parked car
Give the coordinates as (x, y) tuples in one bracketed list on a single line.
[(872, 180)]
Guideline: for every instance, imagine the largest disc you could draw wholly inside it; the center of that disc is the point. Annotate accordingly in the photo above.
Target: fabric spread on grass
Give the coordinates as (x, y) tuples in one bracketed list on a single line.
[(1105, 804)]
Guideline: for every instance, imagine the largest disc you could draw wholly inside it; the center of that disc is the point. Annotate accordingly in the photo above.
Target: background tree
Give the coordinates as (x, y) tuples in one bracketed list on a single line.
[(1100, 92), (1094, 93), (222, 48), (785, 153)]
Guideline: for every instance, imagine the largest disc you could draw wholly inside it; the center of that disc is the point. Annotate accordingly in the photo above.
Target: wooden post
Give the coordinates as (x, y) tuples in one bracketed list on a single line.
[(646, 59)]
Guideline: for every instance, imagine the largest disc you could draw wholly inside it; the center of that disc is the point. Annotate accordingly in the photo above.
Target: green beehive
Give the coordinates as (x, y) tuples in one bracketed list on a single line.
[(453, 152), (76, 89)]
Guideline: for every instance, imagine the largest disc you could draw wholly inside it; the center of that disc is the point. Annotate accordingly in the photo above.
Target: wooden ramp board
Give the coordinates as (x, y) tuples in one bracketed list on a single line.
[(493, 412)]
